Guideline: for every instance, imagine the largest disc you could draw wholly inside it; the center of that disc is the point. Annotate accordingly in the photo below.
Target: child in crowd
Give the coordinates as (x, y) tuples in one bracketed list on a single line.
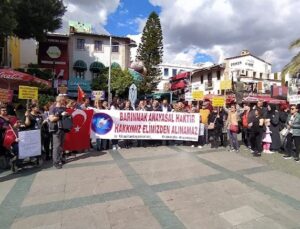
[(267, 140), (200, 142)]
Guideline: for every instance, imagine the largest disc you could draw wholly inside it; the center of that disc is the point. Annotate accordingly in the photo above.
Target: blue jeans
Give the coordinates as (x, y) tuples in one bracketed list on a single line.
[(233, 140)]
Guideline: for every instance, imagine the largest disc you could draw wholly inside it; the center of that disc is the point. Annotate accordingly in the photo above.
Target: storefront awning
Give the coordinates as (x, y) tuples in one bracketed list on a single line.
[(267, 99), (80, 65), (178, 85), (96, 67), (180, 76), (11, 79)]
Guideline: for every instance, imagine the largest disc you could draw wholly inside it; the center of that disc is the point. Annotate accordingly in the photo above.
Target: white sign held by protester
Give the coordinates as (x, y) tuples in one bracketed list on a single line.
[(294, 99), (29, 143), (132, 95)]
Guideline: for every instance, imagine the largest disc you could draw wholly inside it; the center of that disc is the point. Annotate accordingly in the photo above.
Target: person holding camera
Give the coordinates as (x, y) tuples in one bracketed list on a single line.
[(56, 113)]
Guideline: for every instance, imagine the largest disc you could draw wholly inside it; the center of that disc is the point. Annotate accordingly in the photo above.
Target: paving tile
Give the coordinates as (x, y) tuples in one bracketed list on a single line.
[(195, 218), (231, 161), (279, 181), (147, 152), (50, 220), (241, 215), (89, 157), (5, 188), (173, 169), (261, 223)]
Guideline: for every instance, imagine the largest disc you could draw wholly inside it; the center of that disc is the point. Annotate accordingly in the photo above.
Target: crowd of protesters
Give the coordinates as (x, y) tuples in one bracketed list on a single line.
[(264, 128)]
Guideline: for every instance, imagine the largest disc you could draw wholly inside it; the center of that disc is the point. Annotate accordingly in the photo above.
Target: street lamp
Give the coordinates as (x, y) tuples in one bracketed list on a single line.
[(131, 45)]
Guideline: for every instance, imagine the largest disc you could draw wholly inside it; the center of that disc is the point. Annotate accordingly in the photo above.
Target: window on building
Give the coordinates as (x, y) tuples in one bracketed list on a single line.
[(218, 75), (166, 72), (275, 76), (80, 44), (268, 76), (260, 75), (201, 79), (98, 46), (79, 74), (115, 47), (246, 73), (209, 80), (254, 74), (174, 72)]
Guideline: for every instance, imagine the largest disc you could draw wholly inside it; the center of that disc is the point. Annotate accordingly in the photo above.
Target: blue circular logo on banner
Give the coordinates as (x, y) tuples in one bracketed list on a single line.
[(102, 123)]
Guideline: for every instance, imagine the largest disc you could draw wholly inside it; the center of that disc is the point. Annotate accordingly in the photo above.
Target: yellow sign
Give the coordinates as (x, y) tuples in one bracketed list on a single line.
[(26, 92), (226, 84), (197, 95), (218, 102)]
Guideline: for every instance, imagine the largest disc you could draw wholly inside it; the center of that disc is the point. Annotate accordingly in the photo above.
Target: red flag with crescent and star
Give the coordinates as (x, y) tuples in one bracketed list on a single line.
[(79, 136)]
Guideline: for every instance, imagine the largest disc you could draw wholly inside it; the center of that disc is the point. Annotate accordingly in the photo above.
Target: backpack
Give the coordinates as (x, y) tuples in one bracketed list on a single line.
[(66, 123)]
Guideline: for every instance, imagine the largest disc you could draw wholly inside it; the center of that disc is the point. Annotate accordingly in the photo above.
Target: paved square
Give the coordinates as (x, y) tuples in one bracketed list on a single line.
[(159, 187)]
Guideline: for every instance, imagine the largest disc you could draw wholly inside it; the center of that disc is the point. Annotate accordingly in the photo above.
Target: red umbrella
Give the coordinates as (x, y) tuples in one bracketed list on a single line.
[(13, 79)]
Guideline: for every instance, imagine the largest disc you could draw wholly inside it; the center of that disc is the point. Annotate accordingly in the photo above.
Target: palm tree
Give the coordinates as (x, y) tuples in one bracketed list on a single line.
[(294, 66)]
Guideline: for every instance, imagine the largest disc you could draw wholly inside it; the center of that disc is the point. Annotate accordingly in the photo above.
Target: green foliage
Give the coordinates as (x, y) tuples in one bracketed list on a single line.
[(7, 21), (30, 18), (100, 82), (293, 67), (44, 99), (120, 82), (150, 51)]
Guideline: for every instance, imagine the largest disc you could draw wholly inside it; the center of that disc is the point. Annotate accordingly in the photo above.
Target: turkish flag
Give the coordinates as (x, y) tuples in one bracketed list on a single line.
[(9, 137), (80, 94), (79, 137)]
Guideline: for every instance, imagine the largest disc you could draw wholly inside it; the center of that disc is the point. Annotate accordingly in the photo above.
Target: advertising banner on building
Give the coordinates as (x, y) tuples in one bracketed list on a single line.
[(53, 54), (145, 125)]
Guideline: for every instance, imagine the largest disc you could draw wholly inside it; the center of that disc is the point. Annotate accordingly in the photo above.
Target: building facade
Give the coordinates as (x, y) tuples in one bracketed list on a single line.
[(253, 72), (90, 52), (170, 70)]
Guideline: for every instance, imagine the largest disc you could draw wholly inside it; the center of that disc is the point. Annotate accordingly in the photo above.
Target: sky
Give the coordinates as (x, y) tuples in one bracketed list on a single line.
[(197, 31)]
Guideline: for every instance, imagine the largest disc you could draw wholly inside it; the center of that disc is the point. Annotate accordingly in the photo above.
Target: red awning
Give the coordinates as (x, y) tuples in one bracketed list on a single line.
[(13, 79), (268, 99), (182, 75), (178, 85)]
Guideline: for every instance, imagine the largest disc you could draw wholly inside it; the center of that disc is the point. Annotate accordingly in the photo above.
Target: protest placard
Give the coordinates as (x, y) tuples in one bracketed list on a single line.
[(225, 85), (197, 95), (6, 95), (218, 102), (29, 143), (26, 92)]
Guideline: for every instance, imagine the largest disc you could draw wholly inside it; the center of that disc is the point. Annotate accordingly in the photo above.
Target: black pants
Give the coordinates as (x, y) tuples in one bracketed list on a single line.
[(256, 141), (297, 145), (289, 145)]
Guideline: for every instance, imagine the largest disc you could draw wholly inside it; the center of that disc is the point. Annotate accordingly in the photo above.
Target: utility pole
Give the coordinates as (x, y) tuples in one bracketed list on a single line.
[(109, 73)]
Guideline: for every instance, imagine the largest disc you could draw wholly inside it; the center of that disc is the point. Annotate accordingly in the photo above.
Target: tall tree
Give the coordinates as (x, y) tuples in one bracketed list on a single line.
[(150, 51), (294, 66), (7, 21), (37, 17)]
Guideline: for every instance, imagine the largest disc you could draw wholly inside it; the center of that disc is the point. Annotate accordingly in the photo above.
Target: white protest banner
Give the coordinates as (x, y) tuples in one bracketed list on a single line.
[(294, 99), (107, 124), (29, 143)]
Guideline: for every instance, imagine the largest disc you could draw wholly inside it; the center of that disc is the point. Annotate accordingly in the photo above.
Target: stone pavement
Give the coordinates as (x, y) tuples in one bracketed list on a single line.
[(161, 187)]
